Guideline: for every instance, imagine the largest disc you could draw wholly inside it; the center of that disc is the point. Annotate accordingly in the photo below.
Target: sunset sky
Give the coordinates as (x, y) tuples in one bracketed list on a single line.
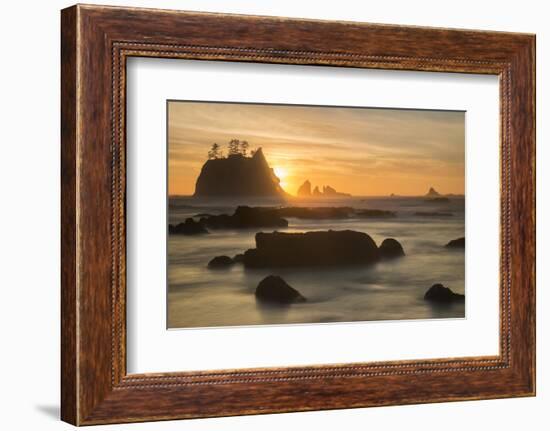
[(361, 151)]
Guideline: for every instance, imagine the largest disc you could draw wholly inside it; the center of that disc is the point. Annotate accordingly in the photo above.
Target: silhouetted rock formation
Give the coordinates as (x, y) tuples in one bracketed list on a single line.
[(189, 227), (245, 217), (220, 262), (304, 190), (432, 214), (441, 294), (321, 248), (238, 176), (457, 243), (316, 213), (329, 191), (274, 289), (374, 213), (432, 193), (391, 248)]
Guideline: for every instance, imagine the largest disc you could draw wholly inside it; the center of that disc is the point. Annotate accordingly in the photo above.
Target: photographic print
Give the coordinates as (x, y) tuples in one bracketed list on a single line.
[(293, 214)]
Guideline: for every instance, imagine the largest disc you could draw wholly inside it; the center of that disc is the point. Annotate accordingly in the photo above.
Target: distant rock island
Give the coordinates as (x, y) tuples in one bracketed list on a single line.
[(304, 191), (238, 175), (432, 193)]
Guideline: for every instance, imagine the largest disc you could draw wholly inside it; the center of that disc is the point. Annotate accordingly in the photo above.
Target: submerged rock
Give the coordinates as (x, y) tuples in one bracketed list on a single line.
[(457, 243), (317, 248), (189, 227), (274, 289), (441, 294), (374, 213), (391, 248), (432, 214), (441, 200), (316, 213), (220, 262), (246, 217)]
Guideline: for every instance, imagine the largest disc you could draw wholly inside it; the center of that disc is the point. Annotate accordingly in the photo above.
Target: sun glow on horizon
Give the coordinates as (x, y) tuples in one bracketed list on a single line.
[(360, 151), (282, 174)]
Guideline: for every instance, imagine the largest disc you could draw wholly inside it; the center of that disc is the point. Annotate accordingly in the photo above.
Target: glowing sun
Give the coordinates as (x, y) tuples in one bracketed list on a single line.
[(281, 173)]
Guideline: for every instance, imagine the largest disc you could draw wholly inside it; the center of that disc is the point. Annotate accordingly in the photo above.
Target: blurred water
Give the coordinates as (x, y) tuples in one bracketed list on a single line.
[(200, 297)]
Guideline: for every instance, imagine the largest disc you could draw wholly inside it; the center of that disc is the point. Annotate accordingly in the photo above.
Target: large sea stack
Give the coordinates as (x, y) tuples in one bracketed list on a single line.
[(238, 176)]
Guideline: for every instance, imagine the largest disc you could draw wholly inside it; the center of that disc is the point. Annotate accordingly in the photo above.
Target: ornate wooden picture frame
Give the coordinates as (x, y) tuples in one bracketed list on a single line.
[(96, 41)]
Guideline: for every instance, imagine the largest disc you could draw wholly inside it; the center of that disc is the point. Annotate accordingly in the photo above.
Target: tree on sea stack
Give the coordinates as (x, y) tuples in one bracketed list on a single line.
[(233, 147), (214, 152), (244, 148)]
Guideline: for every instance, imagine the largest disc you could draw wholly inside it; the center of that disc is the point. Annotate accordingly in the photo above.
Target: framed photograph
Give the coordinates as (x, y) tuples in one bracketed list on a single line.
[(265, 215)]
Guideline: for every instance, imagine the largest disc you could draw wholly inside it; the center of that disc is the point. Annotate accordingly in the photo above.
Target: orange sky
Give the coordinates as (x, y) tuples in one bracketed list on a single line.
[(362, 151)]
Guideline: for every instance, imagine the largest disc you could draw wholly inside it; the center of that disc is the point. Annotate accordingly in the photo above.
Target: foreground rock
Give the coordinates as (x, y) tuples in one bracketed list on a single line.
[(189, 227), (443, 295), (238, 258), (457, 243), (273, 289), (220, 262), (321, 248), (390, 249), (245, 217)]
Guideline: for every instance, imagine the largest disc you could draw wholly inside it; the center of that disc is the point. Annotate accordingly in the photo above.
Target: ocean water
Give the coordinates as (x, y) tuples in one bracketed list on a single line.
[(388, 290)]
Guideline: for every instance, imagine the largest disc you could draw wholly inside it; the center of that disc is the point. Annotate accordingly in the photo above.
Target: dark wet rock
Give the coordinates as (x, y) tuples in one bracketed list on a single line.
[(238, 175), (238, 258), (432, 214), (246, 217), (374, 213), (220, 262), (457, 243), (441, 294), (318, 248), (391, 248), (188, 227), (315, 213), (274, 289)]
